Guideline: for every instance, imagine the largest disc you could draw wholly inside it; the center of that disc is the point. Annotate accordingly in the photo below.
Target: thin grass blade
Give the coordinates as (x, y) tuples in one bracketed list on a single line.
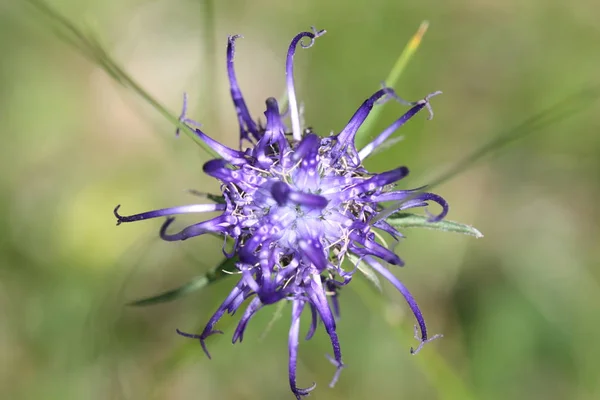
[(226, 268), (90, 47), (364, 133)]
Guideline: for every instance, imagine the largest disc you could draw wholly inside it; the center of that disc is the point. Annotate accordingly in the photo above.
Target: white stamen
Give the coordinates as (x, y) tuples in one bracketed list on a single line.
[(294, 115)]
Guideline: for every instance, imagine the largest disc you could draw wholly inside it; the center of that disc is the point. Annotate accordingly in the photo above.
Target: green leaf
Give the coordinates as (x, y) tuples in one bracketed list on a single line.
[(221, 271), (408, 220), (366, 270)]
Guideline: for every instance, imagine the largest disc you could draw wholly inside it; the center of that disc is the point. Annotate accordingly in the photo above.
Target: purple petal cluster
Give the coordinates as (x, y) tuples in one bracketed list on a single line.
[(296, 206)]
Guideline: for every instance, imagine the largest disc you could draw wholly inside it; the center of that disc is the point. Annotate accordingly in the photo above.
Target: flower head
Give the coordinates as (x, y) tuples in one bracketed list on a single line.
[(296, 205)]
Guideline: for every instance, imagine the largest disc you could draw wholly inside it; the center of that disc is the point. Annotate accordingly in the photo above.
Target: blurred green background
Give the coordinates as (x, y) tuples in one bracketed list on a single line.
[(519, 309)]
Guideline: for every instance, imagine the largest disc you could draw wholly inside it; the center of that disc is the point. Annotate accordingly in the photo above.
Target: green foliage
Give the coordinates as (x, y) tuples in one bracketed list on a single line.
[(403, 220)]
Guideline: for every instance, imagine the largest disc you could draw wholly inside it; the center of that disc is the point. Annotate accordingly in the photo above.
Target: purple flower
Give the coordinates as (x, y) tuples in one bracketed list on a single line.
[(295, 206)]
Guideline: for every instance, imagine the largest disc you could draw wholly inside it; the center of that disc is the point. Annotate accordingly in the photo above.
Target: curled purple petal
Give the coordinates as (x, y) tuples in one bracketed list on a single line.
[(163, 212), (436, 199), (416, 201), (233, 156), (397, 195), (373, 248), (313, 323), (407, 296), (253, 307), (216, 225), (289, 72), (247, 124), (317, 296), (238, 301), (297, 307), (346, 136)]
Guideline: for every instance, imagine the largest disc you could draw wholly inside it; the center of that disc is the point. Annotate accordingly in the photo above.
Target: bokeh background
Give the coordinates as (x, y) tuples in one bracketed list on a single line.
[(520, 308)]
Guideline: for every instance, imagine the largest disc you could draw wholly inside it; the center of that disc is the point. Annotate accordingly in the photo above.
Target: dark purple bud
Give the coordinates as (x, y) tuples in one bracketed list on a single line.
[(384, 178), (308, 145), (309, 200), (281, 192), (314, 251)]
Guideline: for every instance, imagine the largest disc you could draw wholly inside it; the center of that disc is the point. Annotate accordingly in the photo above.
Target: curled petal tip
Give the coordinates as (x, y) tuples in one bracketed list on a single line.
[(317, 32), (442, 203), (187, 335), (116, 213), (165, 226), (427, 105), (299, 392), (339, 367), (201, 337), (391, 94), (423, 340), (271, 102)]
